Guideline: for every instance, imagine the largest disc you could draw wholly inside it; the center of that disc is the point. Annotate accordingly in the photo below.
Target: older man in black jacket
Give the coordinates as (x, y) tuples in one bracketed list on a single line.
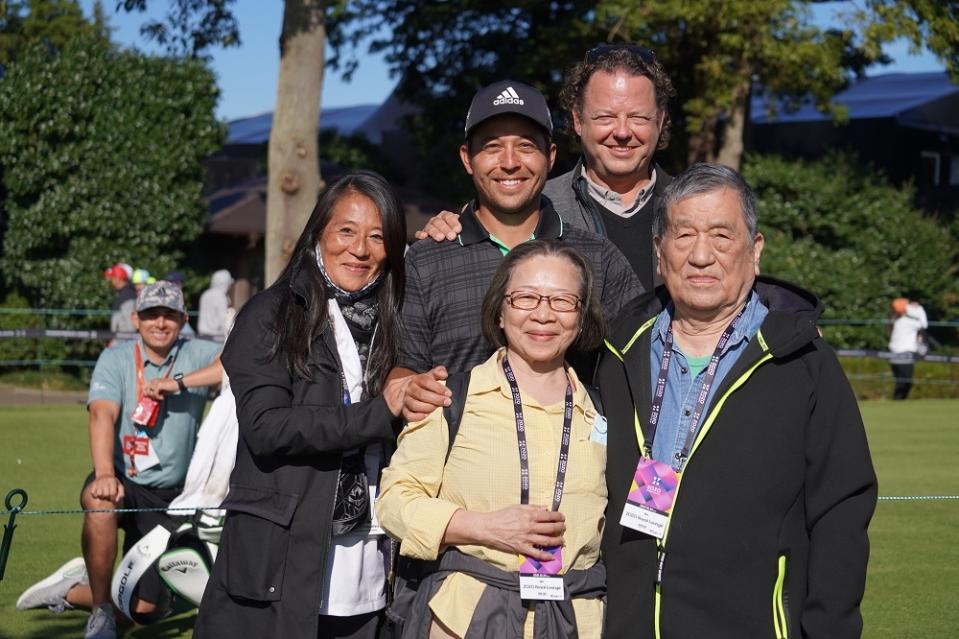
[(740, 482)]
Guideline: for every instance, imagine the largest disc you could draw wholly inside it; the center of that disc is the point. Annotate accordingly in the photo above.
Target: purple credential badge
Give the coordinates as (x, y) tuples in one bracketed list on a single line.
[(654, 485), (536, 567)]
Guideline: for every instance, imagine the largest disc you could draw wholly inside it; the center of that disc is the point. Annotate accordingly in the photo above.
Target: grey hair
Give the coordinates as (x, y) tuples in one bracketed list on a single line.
[(700, 179)]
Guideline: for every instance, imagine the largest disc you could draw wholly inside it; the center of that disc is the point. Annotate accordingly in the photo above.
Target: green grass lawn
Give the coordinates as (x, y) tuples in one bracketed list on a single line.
[(913, 581)]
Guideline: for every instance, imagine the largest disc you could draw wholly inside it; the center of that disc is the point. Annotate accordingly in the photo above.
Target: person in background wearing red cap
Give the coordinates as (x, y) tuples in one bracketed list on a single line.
[(121, 318)]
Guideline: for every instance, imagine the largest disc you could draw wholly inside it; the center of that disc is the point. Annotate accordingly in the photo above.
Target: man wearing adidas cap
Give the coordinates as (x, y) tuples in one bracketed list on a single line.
[(508, 151), (134, 465), (617, 99)]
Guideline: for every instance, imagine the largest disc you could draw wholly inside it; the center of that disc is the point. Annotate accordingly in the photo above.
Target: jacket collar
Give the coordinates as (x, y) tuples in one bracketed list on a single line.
[(662, 178), (789, 326), (549, 227)]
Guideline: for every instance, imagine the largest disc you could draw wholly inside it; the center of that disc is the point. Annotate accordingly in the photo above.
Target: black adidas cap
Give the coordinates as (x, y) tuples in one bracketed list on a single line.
[(508, 96)]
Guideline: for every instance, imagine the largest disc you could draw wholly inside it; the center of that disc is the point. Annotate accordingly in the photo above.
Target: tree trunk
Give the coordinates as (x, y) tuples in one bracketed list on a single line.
[(731, 149), (294, 166), (702, 142)]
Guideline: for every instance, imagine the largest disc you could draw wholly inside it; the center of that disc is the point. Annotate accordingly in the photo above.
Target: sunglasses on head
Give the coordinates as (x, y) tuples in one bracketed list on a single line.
[(646, 55)]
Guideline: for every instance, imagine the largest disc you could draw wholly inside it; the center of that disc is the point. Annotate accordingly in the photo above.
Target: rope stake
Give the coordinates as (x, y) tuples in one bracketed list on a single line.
[(12, 511)]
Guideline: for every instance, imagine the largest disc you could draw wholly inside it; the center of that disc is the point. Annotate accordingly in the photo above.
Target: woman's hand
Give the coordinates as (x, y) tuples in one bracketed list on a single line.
[(522, 530)]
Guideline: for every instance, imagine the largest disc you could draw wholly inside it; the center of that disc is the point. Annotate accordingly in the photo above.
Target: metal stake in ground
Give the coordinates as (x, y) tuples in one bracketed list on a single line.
[(9, 528)]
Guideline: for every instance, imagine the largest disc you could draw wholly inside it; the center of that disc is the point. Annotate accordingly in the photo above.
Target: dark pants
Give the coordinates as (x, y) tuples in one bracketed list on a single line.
[(135, 525), (366, 626), (903, 375)]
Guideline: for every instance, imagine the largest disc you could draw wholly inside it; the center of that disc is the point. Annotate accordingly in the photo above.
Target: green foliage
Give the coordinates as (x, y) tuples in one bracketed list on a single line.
[(355, 152), (191, 27), (19, 349), (715, 52), (445, 51), (101, 156), (854, 239), (52, 22)]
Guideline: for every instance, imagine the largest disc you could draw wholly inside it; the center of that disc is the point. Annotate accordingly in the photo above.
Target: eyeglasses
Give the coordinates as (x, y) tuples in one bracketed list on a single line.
[(530, 301), (601, 50)]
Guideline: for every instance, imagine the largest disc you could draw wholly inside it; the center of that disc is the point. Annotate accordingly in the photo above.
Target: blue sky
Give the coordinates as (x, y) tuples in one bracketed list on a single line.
[(247, 74)]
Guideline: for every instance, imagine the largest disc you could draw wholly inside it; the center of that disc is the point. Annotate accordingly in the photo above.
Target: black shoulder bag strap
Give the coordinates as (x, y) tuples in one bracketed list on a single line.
[(458, 383), (593, 393)]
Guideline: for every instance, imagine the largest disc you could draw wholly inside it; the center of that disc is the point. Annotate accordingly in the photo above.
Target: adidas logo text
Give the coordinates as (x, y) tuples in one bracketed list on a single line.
[(509, 96)]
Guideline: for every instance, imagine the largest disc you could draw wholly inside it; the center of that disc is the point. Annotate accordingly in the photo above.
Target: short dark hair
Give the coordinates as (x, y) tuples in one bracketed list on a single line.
[(592, 321), (613, 58), (702, 178)]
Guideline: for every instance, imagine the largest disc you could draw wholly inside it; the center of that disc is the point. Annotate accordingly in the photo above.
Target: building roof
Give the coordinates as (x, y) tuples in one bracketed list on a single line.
[(919, 100), (240, 210), (256, 129)]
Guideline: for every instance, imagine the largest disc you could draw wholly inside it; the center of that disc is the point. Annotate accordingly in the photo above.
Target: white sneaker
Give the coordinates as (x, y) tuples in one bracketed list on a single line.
[(52, 591), (101, 624)]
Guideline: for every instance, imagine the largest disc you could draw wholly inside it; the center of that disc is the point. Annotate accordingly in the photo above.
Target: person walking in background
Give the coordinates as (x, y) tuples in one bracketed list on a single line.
[(905, 342), (121, 316), (214, 303)]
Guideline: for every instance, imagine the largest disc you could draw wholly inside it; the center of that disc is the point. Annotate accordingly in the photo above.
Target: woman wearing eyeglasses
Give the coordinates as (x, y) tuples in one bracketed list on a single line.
[(510, 514)]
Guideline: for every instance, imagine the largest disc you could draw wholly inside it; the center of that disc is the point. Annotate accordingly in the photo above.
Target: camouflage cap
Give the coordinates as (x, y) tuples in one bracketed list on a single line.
[(163, 293)]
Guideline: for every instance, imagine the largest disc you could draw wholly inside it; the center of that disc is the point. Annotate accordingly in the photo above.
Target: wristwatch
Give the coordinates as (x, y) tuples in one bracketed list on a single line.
[(178, 378)]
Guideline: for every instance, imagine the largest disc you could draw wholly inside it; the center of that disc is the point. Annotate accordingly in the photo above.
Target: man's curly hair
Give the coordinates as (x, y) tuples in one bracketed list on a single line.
[(617, 59)]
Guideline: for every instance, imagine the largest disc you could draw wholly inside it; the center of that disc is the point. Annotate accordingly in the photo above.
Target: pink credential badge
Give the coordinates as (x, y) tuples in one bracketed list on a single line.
[(654, 485), (650, 498), (553, 566)]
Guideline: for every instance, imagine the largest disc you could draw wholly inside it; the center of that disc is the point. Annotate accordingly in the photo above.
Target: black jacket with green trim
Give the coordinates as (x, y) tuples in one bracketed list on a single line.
[(767, 537)]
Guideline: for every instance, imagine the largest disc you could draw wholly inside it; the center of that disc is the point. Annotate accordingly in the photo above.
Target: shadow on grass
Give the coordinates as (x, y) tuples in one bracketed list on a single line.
[(179, 626), (48, 625), (71, 624)]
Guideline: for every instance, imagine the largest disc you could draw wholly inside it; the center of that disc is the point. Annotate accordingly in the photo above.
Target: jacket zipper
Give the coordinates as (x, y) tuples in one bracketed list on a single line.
[(780, 609)]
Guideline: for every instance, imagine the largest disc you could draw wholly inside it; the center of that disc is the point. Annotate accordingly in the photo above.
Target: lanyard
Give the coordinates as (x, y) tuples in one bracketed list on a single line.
[(523, 448), (703, 391), (138, 360)]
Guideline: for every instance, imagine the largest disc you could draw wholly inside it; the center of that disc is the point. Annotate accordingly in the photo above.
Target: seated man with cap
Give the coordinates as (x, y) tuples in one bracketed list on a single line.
[(508, 151), (141, 448)]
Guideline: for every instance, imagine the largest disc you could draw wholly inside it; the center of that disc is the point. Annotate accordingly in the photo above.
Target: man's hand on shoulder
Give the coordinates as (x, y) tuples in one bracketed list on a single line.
[(442, 227), (422, 393)]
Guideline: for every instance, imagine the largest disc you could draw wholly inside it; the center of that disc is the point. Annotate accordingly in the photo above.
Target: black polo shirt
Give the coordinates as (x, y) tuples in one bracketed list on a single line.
[(446, 283)]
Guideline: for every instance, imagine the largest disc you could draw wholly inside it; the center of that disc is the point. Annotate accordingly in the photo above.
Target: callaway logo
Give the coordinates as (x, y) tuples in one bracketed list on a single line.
[(509, 96), (180, 566)]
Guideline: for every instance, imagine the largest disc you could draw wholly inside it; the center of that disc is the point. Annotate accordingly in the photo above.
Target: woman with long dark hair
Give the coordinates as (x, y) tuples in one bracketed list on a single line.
[(302, 554)]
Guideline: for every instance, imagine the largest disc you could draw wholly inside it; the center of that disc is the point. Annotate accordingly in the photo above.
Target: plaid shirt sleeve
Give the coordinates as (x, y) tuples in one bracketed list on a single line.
[(414, 347)]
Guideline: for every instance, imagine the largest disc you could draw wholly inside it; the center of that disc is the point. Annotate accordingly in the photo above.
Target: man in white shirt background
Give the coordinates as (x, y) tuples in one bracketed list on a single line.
[(905, 342)]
